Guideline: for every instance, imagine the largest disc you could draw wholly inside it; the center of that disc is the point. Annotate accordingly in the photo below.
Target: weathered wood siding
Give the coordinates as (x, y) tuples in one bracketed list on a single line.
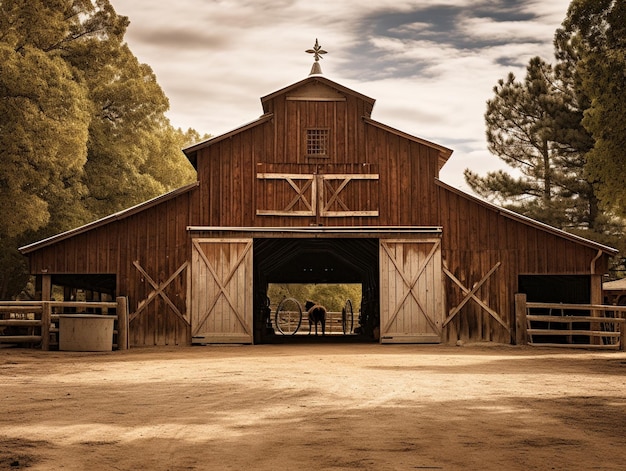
[(144, 250), (373, 175), (221, 291), (476, 237), (411, 290), (233, 193)]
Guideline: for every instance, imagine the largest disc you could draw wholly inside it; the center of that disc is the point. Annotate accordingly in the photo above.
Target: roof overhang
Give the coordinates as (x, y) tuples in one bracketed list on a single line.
[(320, 231), (531, 222), (316, 78), (444, 152), (108, 219)]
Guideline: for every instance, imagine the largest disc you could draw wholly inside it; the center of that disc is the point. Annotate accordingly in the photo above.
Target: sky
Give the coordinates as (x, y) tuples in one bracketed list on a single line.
[(431, 65)]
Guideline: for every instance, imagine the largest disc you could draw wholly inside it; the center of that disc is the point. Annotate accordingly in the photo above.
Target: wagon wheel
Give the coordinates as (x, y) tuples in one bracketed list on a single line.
[(288, 316), (347, 318)]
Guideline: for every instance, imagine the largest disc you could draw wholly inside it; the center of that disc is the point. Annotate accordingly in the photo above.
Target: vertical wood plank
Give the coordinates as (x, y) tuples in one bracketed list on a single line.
[(521, 333), (122, 322), (46, 319)]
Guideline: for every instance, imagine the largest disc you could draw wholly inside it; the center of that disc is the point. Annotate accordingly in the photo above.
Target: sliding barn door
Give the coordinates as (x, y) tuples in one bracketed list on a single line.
[(221, 291), (411, 291)]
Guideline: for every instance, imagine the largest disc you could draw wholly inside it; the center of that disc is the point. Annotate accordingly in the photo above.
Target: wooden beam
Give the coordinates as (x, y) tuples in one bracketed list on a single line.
[(46, 287), (122, 322), (471, 294), (521, 328), (46, 320)]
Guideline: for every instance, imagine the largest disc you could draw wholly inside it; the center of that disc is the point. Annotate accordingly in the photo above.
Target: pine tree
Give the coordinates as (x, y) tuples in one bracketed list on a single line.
[(592, 46), (533, 126)]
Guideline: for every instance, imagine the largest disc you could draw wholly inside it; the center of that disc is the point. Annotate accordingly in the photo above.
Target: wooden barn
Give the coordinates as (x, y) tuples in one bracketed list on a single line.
[(316, 191)]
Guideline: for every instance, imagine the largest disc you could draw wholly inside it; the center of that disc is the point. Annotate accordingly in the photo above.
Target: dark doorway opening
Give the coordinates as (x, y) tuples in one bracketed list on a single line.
[(315, 261), (102, 284), (566, 289)]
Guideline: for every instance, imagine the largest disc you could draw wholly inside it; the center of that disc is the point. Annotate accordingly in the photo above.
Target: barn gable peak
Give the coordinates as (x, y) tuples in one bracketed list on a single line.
[(316, 88)]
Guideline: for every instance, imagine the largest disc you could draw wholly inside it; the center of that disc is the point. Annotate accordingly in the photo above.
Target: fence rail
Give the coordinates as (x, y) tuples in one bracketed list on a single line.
[(597, 330), (36, 323), (334, 322)]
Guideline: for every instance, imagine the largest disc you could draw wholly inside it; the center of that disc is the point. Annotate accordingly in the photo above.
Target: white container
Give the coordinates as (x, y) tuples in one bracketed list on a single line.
[(86, 333)]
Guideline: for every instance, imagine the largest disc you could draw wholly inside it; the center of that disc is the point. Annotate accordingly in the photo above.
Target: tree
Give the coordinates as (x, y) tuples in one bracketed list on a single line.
[(592, 43), (83, 131), (534, 127), (332, 296), (131, 157), (44, 118), (129, 120)]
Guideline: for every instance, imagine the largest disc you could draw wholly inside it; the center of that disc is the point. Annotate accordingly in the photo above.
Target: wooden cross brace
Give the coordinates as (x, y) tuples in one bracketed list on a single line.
[(300, 196), (334, 194), (471, 294), (410, 284), (159, 291), (222, 284)]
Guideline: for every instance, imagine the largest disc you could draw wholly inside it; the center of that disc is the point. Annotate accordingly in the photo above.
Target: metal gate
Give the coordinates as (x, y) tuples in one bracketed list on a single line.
[(221, 291), (411, 291)]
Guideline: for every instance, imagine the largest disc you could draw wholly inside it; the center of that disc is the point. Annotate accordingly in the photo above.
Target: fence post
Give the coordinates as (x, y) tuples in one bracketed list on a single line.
[(46, 319), (521, 333), (122, 323), (622, 335)]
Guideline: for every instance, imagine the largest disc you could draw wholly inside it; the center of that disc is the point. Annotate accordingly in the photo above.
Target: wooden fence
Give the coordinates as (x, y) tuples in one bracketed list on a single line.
[(334, 323), (36, 323), (595, 330)]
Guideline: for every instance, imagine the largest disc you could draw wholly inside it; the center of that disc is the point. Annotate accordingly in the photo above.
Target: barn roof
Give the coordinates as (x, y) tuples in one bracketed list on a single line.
[(108, 219), (444, 152), (191, 151), (316, 79), (617, 285), (531, 222)]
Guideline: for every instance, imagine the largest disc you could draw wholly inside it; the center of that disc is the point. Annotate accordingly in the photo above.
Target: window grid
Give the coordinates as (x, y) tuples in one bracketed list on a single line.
[(317, 142)]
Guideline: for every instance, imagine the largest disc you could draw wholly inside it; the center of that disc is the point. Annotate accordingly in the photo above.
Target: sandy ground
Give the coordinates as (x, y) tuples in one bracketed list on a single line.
[(317, 407)]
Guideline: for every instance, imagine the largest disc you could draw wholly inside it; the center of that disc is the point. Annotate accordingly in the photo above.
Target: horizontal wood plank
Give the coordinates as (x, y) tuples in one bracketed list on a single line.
[(574, 319), (586, 333), (20, 338), (20, 322), (574, 345)]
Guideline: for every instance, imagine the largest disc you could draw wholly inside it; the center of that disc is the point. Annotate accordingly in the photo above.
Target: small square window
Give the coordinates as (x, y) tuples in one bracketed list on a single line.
[(317, 142)]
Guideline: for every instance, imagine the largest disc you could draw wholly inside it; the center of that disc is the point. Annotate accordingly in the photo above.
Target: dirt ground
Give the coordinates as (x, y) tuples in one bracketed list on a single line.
[(314, 407)]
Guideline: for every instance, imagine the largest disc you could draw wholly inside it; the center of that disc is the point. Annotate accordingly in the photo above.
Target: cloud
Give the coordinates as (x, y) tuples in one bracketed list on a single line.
[(430, 64)]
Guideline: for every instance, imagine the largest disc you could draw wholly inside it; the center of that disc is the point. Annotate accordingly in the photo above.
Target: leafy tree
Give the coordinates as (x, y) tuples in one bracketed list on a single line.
[(44, 116), (332, 296), (83, 131), (534, 127), (592, 43), (44, 119), (131, 156)]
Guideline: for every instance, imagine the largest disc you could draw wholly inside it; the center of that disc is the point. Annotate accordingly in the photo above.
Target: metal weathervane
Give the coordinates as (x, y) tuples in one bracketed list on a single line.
[(317, 52)]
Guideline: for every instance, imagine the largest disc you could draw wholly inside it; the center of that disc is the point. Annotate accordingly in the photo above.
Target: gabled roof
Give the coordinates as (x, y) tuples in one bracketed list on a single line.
[(191, 151), (530, 222), (444, 152), (311, 79), (108, 219)]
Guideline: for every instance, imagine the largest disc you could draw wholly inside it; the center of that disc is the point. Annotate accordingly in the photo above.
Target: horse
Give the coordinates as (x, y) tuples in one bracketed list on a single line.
[(317, 314)]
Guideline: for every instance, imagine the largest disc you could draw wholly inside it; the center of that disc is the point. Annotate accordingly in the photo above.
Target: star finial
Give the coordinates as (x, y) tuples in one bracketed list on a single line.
[(317, 52)]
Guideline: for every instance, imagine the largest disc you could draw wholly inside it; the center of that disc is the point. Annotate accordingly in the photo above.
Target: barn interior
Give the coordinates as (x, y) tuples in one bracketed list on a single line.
[(82, 286), (311, 261)]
